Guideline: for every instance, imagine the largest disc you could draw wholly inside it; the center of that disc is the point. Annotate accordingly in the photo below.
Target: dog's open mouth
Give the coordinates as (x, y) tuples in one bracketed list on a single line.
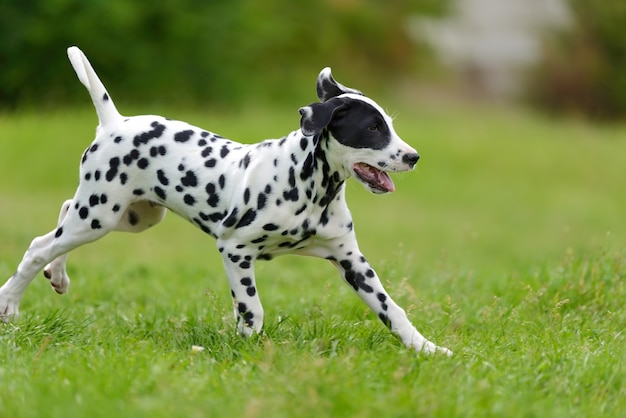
[(376, 179)]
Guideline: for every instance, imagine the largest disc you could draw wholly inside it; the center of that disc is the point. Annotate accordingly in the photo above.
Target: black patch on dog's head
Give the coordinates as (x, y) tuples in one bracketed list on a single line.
[(359, 125), (353, 123)]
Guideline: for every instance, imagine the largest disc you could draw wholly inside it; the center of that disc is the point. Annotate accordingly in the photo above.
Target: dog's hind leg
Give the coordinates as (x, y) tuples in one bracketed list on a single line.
[(79, 226), (55, 271), (138, 217)]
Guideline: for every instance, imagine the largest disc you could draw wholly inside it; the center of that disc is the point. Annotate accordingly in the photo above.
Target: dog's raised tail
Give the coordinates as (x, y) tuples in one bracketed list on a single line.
[(105, 108)]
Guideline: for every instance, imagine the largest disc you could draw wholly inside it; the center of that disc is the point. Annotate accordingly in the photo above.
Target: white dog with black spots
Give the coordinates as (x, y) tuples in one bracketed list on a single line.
[(283, 196)]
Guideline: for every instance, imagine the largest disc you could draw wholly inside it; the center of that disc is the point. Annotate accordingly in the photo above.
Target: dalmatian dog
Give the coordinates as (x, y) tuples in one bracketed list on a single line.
[(283, 196)]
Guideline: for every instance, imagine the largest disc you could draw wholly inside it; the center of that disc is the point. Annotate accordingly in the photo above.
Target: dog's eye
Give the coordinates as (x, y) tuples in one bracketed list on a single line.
[(373, 127)]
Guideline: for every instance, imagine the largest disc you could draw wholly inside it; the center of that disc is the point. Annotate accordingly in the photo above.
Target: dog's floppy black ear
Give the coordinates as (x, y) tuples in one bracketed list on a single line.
[(316, 116), (327, 87)]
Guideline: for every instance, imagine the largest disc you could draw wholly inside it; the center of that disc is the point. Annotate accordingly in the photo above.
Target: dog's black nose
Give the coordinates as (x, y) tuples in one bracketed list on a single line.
[(411, 159)]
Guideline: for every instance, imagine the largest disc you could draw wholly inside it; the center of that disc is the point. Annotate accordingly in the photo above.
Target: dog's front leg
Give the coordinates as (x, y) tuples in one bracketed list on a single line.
[(358, 273), (247, 305)]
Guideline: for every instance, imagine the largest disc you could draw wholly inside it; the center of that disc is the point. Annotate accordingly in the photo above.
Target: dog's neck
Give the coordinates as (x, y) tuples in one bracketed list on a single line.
[(318, 172), (331, 173)]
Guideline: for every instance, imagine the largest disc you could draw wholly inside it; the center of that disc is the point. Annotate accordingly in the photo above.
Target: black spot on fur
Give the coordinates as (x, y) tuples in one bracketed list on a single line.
[(94, 199), (245, 314), (162, 177), (118, 139), (116, 208), (302, 209), (131, 156), (307, 167), (123, 178), (155, 151), (202, 226), (216, 216), (189, 199), (246, 161), (144, 137), (206, 152), (247, 218), (138, 192), (105, 97), (261, 201), (83, 212), (231, 219), (383, 317), (213, 200), (292, 194), (270, 227), (160, 193), (143, 163), (259, 239), (133, 218), (210, 163), (190, 179), (224, 151), (183, 136), (58, 233), (95, 224), (114, 163), (292, 177)]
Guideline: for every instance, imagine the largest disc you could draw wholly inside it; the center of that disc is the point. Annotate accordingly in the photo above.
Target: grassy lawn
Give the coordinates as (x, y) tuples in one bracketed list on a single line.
[(507, 245)]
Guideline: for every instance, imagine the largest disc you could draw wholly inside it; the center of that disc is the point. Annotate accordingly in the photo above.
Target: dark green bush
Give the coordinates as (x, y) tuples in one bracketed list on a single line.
[(195, 50), (584, 71)]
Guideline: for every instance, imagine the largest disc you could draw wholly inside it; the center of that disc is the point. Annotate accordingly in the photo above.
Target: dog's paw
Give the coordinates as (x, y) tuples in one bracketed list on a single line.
[(9, 307), (246, 330), (59, 280), (429, 348)]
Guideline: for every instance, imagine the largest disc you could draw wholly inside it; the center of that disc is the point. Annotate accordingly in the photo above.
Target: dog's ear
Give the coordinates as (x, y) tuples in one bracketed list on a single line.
[(316, 116), (327, 87)]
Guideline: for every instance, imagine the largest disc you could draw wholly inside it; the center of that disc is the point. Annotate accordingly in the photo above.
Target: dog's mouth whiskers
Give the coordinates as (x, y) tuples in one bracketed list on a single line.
[(376, 179)]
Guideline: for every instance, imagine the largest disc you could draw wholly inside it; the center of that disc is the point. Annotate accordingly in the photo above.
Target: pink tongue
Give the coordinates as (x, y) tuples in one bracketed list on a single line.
[(374, 177), (385, 181)]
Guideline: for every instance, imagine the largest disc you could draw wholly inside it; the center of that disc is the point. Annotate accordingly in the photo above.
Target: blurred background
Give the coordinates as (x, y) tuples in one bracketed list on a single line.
[(559, 55)]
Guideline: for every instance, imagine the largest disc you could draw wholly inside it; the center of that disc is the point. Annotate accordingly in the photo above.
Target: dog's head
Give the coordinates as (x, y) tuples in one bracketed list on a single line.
[(371, 147)]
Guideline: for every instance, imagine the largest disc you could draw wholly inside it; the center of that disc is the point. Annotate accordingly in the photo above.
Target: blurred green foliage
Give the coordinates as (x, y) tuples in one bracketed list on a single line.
[(585, 69), (194, 51)]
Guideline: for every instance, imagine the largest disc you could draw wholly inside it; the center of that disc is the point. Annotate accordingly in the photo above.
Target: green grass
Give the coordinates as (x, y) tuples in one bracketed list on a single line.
[(507, 245)]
